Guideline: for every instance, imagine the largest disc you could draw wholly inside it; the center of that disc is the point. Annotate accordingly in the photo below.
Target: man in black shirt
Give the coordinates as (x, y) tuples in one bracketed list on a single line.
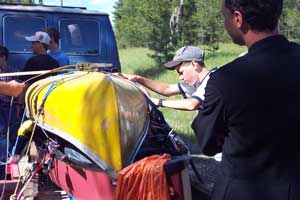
[(251, 110), (41, 61)]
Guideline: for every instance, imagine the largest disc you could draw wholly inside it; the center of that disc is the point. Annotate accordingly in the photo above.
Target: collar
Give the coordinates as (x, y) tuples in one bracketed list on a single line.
[(208, 73), (269, 41)]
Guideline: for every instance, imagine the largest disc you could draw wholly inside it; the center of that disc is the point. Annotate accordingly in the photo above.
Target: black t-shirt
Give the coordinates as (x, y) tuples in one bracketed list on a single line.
[(252, 105), (40, 62)]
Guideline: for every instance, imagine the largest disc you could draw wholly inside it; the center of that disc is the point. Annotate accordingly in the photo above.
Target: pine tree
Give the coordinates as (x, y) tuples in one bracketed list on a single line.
[(131, 28), (188, 26), (210, 25), (161, 41)]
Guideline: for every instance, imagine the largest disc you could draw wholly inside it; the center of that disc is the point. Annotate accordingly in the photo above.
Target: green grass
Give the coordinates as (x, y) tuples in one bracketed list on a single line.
[(136, 61), (225, 54)]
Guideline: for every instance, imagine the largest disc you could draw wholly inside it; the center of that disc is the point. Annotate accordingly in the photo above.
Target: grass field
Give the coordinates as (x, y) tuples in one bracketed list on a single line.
[(136, 61)]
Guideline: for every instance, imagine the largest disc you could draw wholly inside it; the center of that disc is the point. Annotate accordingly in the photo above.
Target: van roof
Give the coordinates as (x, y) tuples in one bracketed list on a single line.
[(49, 8)]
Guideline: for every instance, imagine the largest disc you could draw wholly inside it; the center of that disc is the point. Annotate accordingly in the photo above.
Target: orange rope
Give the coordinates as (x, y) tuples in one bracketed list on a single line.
[(143, 180)]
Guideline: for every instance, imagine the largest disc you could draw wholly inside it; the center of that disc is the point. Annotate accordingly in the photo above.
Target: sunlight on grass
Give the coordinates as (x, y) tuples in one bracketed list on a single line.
[(225, 54), (135, 60)]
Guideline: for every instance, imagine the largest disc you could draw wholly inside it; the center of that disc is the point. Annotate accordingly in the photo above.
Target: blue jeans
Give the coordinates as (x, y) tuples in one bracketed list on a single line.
[(13, 125)]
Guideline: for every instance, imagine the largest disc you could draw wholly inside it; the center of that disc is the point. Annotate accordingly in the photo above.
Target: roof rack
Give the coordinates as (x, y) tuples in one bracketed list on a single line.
[(51, 6)]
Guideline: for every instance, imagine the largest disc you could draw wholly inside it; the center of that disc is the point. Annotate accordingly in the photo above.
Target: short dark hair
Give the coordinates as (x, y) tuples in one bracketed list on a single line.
[(261, 15), (4, 52), (53, 32)]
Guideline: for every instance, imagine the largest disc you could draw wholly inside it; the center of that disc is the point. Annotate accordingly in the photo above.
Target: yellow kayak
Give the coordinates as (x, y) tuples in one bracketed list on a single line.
[(100, 114)]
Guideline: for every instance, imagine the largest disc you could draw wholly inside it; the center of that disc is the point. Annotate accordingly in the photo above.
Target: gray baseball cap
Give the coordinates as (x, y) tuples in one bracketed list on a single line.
[(184, 54)]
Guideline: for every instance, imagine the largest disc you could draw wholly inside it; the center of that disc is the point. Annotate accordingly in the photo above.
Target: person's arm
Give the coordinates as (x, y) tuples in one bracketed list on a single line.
[(11, 88), (179, 104), (165, 89)]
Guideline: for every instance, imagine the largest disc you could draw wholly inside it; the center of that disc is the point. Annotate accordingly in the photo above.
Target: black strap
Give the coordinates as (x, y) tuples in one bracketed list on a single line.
[(150, 102)]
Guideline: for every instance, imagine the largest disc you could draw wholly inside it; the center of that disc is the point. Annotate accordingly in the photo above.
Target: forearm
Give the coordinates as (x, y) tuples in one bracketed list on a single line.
[(179, 104), (11, 88), (4, 88), (164, 89)]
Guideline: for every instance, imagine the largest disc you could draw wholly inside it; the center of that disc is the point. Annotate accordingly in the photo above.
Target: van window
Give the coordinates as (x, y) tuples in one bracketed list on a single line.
[(79, 36), (17, 27)]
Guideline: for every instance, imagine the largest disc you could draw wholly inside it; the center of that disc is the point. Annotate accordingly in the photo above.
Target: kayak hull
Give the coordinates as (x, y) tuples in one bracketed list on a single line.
[(101, 115)]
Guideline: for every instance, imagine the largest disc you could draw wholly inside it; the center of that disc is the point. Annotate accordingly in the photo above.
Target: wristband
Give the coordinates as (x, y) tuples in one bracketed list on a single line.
[(160, 103)]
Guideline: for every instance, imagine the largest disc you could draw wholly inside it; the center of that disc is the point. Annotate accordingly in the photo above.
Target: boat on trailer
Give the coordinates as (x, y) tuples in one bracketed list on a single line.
[(90, 125)]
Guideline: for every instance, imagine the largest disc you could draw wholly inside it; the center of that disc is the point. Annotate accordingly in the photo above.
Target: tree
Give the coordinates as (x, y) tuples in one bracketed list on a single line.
[(161, 41), (209, 18), (131, 28), (146, 23), (188, 26), (289, 22)]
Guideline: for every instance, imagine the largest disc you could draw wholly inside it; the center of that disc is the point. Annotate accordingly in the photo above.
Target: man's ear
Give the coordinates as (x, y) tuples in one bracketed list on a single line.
[(238, 19), (240, 22)]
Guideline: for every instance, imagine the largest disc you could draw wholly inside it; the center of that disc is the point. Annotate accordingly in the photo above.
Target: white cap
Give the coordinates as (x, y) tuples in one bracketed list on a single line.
[(39, 36)]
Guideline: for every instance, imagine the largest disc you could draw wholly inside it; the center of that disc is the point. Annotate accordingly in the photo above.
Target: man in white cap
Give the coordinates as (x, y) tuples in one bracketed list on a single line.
[(189, 64), (41, 61)]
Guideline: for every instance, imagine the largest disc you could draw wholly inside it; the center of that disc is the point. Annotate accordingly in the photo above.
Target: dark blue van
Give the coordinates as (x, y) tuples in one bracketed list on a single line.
[(86, 36)]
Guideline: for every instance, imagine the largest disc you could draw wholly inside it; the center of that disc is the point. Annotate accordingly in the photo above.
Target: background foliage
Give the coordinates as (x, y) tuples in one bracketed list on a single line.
[(146, 23), (142, 28)]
